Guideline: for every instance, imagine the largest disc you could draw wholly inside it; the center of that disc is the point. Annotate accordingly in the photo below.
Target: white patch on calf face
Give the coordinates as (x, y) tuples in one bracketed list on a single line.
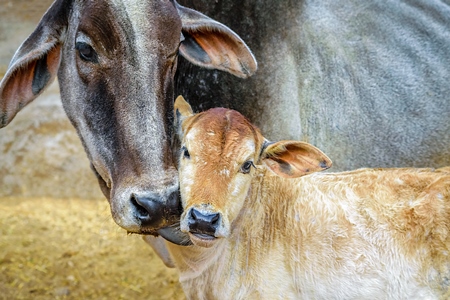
[(236, 188), (185, 191), (191, 136), (237, 192), (225, 172), (399, 181), (187, 180), (187, 172), (250, 146)]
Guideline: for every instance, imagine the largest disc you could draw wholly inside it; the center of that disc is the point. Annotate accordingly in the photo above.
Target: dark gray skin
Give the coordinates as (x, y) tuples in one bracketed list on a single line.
[(368, 82), (115, 61)]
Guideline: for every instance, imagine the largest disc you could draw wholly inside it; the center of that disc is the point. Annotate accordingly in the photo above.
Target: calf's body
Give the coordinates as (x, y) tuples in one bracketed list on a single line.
[(364, 234)]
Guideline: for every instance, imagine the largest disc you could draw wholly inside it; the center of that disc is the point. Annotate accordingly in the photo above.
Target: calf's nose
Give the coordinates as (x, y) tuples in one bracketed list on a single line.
[(206, 223)]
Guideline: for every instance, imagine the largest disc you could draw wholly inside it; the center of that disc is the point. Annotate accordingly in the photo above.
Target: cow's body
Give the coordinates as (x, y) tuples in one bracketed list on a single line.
[(364, 234), (365, 81)]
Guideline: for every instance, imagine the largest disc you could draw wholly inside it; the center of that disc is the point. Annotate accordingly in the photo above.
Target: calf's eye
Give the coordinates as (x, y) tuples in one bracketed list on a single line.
[(245, 168), (185, 152), (86, 52)]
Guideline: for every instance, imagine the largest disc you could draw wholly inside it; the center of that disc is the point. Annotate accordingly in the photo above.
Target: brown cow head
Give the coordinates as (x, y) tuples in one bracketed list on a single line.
[(115, 61), (220, 153)]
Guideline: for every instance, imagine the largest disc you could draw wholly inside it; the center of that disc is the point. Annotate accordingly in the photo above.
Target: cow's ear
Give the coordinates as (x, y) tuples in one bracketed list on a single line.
[(210, 44), (34, 65), (182, 110), (291, 159)]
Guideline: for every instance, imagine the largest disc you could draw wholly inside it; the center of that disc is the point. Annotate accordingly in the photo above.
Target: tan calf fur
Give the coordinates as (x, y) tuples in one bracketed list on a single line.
[(364, 234)]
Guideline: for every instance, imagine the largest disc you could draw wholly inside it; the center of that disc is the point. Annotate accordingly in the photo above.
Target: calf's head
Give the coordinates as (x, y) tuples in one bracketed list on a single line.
[(115, 61), (220, 151)]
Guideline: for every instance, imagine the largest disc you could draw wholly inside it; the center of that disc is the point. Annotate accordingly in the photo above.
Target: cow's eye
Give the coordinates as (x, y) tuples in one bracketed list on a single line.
[(245, 168), (185, 152), (86, 52)]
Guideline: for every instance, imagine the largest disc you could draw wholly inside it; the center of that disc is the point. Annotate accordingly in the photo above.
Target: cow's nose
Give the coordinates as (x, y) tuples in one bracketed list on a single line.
[(206, 223), (149, 209), (155, 210)]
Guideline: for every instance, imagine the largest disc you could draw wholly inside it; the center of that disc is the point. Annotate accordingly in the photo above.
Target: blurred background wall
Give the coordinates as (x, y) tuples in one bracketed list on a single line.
[(40, 153)]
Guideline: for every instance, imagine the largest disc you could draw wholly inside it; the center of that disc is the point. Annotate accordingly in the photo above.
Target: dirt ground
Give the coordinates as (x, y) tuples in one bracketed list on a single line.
[(71, 249)]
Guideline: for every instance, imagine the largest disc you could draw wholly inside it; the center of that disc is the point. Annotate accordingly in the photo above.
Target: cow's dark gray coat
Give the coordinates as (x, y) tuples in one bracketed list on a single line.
[(368, 82)]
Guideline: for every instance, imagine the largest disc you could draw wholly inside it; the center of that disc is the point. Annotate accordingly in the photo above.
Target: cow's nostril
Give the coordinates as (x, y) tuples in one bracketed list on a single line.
[(150, 210), (142, 212)]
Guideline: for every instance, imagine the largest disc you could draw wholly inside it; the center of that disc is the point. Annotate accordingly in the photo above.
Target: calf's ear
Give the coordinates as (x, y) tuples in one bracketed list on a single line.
[(181, 110), (35, 63), (211, 44), (290, 159)]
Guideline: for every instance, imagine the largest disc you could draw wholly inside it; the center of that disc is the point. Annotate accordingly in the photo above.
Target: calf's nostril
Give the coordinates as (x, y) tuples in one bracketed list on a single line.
[(193, 214), (207, 218), (203, 222), (215, 219)]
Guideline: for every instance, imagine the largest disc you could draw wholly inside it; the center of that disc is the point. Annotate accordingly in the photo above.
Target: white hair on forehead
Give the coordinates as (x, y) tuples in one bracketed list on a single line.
[(191, 134), (246, 150), (135, 10), (137, 13), (250, 145), (225, 172)]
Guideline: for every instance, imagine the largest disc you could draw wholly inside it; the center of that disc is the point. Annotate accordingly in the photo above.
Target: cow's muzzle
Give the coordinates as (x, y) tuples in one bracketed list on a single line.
[(154, 211)]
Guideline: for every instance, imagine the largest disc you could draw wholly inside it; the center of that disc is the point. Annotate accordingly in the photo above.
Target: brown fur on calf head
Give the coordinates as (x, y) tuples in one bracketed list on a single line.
[(220, 152)]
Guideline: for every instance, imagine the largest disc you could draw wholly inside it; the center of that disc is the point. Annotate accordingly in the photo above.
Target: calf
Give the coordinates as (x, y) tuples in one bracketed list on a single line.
[(363, 234)]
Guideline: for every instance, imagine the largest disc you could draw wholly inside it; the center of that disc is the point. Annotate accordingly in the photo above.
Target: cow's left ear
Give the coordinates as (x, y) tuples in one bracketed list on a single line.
[(211, 44), (291, 159)]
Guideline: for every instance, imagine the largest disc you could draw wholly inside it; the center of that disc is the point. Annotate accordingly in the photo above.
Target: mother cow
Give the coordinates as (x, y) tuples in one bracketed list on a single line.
[(115, 61)]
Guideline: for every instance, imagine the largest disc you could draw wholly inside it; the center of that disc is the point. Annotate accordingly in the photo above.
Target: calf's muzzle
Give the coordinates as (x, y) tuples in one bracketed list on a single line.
[(203, 222)]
